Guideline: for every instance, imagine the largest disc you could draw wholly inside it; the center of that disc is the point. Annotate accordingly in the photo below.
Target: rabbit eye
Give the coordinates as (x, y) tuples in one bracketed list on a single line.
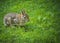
[(24, 16)]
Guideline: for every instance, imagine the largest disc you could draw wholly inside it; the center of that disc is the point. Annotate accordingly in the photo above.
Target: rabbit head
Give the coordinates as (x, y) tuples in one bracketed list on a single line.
[(23, 18)]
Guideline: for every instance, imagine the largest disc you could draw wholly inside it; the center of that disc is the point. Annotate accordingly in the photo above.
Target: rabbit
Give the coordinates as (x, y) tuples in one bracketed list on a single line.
[(16, 19)]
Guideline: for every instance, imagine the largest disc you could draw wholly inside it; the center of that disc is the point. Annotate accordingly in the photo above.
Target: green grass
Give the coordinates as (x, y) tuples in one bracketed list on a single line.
[(43, 26)]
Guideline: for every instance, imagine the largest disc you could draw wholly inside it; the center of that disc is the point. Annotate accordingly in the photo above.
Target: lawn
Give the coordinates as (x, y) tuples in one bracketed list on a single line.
[(44, 24)]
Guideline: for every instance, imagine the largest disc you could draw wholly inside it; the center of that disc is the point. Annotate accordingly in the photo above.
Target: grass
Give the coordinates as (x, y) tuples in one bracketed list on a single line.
[(42, 27)]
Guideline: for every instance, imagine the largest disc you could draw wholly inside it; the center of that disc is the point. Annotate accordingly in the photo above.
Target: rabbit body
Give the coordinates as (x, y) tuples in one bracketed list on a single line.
[(15, 19)]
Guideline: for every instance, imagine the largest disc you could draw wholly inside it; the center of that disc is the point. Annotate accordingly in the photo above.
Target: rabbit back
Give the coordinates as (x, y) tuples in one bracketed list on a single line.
[(8, 18)]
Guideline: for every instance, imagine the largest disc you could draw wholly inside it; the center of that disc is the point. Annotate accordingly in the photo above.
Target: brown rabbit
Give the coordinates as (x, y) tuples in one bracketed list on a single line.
[(16, 19)]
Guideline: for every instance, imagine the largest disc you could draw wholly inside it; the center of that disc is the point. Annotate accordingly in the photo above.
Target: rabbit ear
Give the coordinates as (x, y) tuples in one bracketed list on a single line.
[(23, 11)]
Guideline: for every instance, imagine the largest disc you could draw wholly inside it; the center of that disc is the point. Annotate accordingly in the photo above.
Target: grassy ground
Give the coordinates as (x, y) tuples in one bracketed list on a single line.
[(43, 26)]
